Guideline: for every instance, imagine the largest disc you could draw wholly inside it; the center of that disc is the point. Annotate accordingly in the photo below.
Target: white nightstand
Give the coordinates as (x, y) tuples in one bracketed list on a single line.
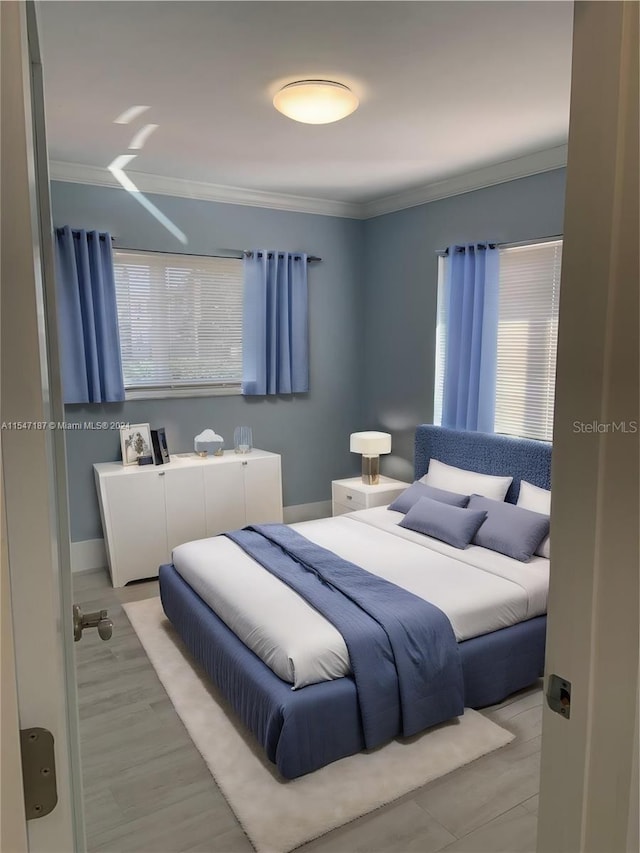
[(352, 494)]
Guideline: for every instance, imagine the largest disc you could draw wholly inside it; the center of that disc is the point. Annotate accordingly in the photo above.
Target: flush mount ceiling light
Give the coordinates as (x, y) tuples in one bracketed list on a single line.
[(315, 101)]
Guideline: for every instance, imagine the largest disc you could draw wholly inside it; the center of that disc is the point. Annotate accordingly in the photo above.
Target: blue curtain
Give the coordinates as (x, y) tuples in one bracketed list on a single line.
[(469, 398), (275, 330), (87, 318)]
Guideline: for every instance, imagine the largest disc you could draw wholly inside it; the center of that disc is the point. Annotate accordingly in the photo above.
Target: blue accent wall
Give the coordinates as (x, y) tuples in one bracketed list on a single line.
[(372, 315), (311, 431), (401, 290)]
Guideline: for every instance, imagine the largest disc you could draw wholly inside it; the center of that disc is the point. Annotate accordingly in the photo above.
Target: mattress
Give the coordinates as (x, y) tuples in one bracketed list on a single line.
[(479, 590)]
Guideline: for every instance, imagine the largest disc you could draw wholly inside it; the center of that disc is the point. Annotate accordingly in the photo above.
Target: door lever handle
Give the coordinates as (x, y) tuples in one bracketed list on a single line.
[(98, 619)]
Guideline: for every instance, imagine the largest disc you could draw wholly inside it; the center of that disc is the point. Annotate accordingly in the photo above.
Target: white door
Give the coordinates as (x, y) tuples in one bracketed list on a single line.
[(588, 796), (262, 490), (224, 497), (184, 501), (137, 525), (33, 458)]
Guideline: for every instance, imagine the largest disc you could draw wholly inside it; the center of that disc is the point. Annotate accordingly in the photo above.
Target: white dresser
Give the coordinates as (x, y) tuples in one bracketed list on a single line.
[(146, 511), (352, 494)]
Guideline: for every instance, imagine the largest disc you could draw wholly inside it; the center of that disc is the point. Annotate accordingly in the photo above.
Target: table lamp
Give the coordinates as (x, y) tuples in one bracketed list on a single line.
[(370, 445)]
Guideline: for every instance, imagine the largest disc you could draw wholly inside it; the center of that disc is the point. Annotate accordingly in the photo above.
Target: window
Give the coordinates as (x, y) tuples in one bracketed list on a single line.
[(441, 340), (180, 319), (529, 290), (527, 339)]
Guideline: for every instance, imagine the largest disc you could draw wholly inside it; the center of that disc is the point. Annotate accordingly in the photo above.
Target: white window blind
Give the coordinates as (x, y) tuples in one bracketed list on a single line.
[(441, 341), (527, 339), (180, 320)]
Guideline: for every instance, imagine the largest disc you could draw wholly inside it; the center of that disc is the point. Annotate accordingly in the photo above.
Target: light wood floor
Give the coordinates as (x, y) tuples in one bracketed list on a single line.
[(147, 789)]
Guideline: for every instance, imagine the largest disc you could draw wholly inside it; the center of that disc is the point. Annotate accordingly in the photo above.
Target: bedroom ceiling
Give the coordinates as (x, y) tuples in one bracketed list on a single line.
[(445, 88)]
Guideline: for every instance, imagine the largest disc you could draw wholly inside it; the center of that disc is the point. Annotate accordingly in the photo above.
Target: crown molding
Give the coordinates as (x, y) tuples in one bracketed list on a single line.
[(509, 170), (499, 173), (97, 176)]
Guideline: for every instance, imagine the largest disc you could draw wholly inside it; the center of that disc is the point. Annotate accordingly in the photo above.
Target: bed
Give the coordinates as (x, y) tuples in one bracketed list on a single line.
[(500, 639)]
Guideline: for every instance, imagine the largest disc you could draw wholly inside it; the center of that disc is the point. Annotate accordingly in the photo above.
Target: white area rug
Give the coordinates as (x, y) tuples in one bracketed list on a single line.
[(279, 815)]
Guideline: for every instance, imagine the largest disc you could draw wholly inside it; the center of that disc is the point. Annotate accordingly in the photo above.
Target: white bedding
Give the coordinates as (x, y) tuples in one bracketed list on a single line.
[(479, 590)]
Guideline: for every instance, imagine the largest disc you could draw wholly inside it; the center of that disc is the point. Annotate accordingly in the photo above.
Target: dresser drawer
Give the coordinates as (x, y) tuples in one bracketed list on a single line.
[(348, 497), (342, 509), (385, 496)]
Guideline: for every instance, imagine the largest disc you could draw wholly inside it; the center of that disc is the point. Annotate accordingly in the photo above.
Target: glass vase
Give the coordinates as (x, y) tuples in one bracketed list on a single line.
[(242, 439)]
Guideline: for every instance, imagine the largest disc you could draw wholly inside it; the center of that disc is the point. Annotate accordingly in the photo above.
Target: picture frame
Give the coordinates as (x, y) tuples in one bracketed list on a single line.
[(160, 448), (135, 441)]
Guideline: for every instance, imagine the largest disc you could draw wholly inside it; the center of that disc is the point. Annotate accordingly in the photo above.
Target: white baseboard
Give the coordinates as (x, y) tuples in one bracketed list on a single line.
[(88, 554), (91, 554), (305, 512)]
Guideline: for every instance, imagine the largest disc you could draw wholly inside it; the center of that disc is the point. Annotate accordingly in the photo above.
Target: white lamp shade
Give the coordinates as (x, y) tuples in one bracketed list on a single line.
[(370, 443), (315, 101)]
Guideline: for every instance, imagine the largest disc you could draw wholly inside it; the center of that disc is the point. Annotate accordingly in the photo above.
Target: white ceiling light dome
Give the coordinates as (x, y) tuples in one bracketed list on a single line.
[(315, 101)]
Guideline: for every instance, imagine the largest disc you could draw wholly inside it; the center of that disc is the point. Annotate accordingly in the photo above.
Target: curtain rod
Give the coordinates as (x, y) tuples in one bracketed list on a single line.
[(461, 249), (249, 254), (217, 253), (550, 239), (236, 254)]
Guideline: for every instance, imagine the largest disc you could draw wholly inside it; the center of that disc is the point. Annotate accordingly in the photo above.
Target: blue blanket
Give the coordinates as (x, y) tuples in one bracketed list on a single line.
[(404, 655)]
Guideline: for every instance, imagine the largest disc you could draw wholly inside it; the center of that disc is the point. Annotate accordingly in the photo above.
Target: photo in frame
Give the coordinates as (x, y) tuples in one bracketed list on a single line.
[(135, 442), (160, 449)]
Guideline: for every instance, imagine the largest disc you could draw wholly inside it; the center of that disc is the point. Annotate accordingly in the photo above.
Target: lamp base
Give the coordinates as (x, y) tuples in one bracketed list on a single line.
[(371, 470)]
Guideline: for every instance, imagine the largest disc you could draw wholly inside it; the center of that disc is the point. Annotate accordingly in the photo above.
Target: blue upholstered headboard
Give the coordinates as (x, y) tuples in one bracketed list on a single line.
[(487, 453)]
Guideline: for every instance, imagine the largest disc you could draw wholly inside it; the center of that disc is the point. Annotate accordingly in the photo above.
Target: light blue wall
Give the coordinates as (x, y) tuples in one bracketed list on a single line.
[(311, 431), (372, 324), (401, 289)]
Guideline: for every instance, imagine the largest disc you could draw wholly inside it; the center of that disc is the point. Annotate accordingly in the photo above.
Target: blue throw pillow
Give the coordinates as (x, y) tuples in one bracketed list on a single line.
[(451, 524), (412, 495), (509, 529)]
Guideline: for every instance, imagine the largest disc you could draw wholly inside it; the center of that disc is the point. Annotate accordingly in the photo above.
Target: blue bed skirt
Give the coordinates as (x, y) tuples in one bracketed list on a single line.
[(302, 730)]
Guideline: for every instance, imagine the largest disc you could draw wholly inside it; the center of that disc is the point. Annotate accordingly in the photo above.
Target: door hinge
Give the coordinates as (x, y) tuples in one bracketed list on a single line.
[(38, 772)]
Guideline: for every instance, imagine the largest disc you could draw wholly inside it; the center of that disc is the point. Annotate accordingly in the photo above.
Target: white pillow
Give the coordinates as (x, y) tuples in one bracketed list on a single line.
[(442, 476), (539, 500)]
